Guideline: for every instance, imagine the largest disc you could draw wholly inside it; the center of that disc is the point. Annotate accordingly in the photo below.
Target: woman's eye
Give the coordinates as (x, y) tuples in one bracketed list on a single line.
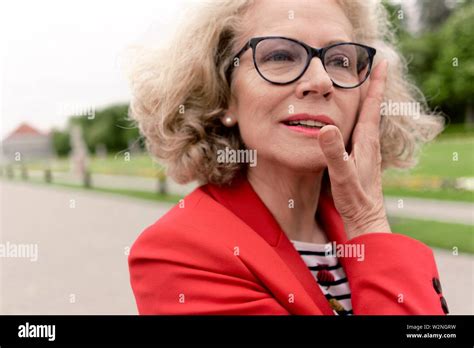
[(278, 56), (339, 61)]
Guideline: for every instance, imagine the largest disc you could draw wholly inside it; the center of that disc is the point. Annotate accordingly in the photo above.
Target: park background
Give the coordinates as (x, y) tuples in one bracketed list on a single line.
[(83, 188)]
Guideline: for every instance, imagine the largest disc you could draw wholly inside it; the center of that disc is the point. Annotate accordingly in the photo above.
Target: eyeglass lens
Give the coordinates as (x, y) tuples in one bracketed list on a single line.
[(282, 61)]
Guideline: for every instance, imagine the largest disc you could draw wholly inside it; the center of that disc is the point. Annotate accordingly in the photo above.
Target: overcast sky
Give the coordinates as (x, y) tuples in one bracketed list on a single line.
[(60, 55), (57, 55)]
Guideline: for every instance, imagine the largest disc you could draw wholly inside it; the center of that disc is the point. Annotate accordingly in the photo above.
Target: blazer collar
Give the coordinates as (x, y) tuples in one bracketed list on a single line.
[(243, 201)]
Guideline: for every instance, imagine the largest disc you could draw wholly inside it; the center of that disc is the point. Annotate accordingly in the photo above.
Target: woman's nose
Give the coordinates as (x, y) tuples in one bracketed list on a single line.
[(315, 80)]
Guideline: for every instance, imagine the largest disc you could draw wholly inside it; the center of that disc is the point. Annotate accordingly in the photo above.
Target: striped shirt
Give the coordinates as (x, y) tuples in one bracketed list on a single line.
[(328, 273)]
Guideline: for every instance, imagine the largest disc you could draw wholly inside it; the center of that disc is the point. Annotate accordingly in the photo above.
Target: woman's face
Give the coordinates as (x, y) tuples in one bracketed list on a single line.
[(260, 107)]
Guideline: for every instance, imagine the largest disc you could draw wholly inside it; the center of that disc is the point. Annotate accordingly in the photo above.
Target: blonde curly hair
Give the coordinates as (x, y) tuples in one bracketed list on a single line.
[(180, 92)]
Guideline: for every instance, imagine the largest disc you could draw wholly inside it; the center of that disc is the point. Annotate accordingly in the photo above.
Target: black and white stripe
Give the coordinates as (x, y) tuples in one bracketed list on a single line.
[(315, 255)]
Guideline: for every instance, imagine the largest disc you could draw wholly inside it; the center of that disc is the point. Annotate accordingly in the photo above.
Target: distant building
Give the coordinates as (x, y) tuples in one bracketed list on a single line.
[(29, 142)]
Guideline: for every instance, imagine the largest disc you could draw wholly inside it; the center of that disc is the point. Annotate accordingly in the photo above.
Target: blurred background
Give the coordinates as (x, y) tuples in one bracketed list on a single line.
[(77, 186)]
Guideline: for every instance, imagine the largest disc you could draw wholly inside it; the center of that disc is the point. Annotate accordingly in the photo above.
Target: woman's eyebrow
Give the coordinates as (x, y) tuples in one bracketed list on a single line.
[(333, 42)]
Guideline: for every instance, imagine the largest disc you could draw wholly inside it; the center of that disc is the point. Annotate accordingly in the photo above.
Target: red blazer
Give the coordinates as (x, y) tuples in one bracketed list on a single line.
[(221, 251)]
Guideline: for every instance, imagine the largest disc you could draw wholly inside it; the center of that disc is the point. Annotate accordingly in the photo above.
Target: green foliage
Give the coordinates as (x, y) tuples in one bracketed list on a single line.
[(433, 13), (110, 127), (420, 53), (453, 70), (397, 18), (61, 142), (442, 63)]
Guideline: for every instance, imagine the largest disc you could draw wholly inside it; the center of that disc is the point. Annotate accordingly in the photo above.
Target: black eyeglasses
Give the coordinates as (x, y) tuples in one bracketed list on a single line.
[(281, 61)]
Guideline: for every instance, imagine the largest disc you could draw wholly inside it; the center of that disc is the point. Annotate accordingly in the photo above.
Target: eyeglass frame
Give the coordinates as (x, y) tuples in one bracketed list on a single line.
[(311, 51)]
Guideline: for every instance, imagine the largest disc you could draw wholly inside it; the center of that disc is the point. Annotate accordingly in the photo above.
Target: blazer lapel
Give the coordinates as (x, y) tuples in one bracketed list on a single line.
[(242, 200)]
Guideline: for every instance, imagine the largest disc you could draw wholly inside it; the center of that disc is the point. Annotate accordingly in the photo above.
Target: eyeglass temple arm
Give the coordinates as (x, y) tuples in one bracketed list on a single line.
[(245, 48), (231, 66)]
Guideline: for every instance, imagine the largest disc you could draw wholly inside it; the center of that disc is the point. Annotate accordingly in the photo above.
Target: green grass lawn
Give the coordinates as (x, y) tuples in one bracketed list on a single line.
[(448, 157), (444, 160), (136, 165), (118, 164), (444, 195), (436, 234)]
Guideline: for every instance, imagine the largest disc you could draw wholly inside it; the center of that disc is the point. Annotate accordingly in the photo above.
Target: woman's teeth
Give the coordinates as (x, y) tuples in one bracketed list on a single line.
[(307, 123)]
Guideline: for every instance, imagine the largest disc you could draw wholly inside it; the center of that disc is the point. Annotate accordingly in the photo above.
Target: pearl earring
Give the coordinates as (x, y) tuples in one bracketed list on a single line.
[(228, 121)]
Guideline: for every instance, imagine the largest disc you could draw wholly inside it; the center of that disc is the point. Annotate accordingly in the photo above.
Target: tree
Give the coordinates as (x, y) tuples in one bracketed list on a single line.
[(433, 13), (441, 63), (397, 18), (453, 69), (110, 127), (61, 142)]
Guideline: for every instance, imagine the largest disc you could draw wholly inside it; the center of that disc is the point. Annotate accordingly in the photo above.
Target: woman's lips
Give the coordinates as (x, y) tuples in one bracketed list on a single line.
[(312, 119), (314, 131)]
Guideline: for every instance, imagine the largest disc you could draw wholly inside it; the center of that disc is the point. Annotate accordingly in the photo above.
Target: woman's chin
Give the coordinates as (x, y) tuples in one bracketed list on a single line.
[(301, 162)]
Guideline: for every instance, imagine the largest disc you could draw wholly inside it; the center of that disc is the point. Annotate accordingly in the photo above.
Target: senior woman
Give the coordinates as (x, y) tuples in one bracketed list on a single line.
[(302, 229)]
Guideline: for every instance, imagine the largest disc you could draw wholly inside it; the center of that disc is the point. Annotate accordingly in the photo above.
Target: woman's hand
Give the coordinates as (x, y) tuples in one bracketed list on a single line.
[(356, 179)]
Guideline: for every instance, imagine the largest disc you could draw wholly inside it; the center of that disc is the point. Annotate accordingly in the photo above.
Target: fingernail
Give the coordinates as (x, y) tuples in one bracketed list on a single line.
[(329, 136)]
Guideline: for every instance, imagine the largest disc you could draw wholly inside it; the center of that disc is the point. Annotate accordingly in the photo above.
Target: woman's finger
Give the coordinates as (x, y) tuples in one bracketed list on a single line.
[(346, 188), (341, 168), (366, 135), (369, 117)]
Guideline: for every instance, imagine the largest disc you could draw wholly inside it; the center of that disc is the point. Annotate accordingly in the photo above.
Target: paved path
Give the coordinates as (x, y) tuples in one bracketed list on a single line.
[(426, 209), (82, 252)]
